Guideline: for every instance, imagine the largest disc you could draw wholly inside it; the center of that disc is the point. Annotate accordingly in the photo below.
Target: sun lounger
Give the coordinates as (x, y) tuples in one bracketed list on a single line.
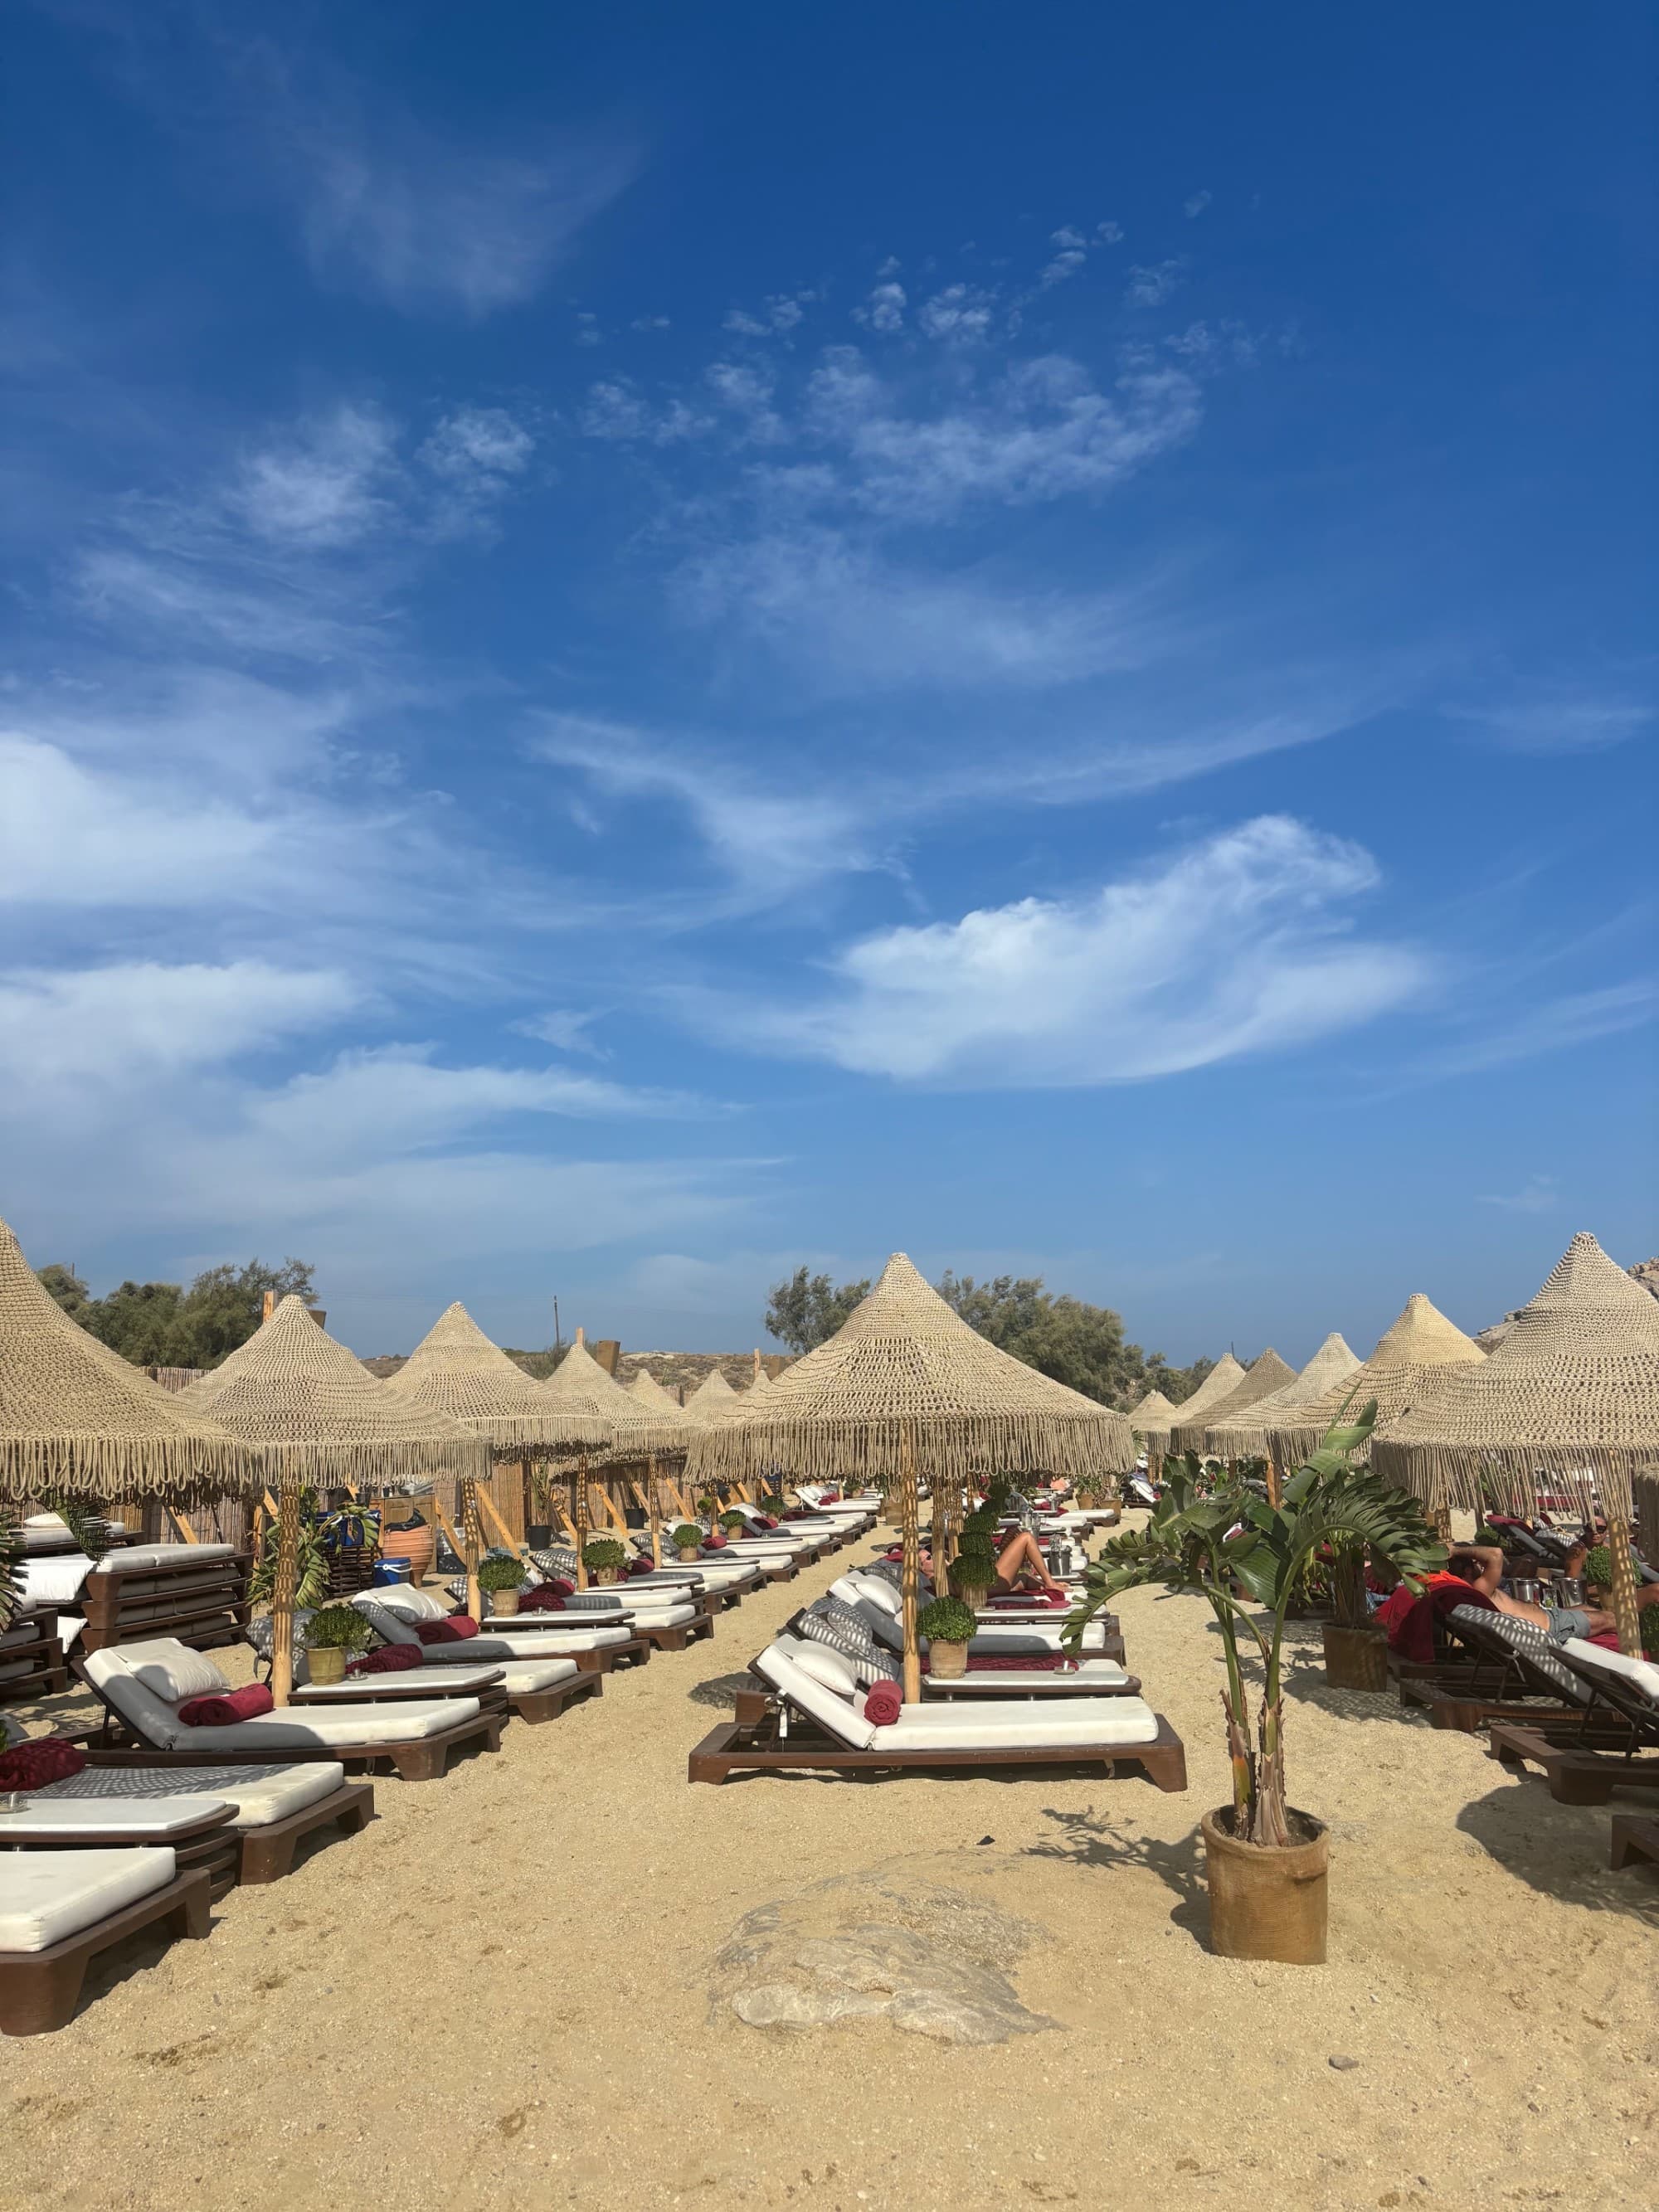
[(142, 1687), (882, 1604), (58, 1909), (1623, 1702), (1494, 1668), (800, 1722), (271, 1807), (596, 1641), (534, 1690), (843, 1629), (31, 1662)]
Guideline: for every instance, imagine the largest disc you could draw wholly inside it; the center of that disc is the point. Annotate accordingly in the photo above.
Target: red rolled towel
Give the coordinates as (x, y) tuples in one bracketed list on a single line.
[(768, 1520), (226, 1708), (388, 1659), (455, 1629), (1607, 1639), (544, 1598), (641, 1567), (43, 1759), (715, 1544), (883, 1704)]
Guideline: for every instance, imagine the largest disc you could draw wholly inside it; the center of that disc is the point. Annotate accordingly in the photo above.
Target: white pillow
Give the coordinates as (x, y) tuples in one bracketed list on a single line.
[(172, 1670), (45, 1521), (826, 1667), (53, 1581), (390, 1626), (413, 1604), (879, 1591)]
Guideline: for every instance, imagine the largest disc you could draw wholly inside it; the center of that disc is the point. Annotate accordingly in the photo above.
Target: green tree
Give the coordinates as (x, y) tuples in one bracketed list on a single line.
[(1062, 1337), (807, 1310), (164, 1324), (64, 1286)]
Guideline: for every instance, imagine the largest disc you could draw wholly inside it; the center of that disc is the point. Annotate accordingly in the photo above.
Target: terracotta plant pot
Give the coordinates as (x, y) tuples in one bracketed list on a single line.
[(327, 1663), (504, 1602), (1356, 1658), (1267, 1903), (414, 1545), (947, 1662)]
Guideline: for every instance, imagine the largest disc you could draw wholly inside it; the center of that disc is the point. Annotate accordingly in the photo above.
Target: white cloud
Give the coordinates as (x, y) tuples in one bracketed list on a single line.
[(783, 312), (1555, 717), (322, 486), (1538, 1194), (1236, 946), (1110, 233), (476, 444), (1196, 204), (1152, 287), (121, 1025), (617, 409), (884, 310), (1549, 1025), (1071, 251), (962, 314), (564, 1029)]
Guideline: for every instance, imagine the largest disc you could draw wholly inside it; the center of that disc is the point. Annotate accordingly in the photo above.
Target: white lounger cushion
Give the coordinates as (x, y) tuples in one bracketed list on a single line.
[(53, 1580), (155, 1721), (138, 1556), (159, 1819), (259, 1794), (1019, 1638), (837, 1672), (1639, 1674), (172, 1670), (1012, 1722), (403, 1598), (493, 1649), (664, 1610), (48, 1896), (519, 1677)]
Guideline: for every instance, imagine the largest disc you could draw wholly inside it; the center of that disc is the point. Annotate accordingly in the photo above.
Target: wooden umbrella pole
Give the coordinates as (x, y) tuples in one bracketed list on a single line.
[(910, 1529), (471, 1544), (580, 1508), (1627, 1618), (282, 1594), (1275, 1480), (653, 1504)]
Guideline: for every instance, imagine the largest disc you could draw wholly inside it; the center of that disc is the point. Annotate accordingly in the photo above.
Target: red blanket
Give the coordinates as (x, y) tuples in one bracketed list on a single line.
[(389, 1659), (226, 1708), (44, 1759), (1413, 1636), (455, 1629)]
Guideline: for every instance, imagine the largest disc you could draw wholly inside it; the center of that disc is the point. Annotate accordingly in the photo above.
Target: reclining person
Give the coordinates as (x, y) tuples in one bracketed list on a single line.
[(1020, 1560), (1481, 1565)]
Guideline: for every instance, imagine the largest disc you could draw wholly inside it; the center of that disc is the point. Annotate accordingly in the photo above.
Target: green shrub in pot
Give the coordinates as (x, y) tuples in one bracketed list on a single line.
[(687, 1539), (604, 1558)]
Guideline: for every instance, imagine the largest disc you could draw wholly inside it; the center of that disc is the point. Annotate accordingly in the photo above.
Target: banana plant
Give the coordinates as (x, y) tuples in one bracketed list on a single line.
[(1241, 1554)]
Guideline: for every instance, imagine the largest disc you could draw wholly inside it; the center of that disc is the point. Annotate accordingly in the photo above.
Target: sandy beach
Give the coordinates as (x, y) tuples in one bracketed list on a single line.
[(507, 1991)]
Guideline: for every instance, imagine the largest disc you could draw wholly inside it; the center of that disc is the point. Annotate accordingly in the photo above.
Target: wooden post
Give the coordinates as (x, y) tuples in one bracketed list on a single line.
[(1275, 1478), (580, 1508), (282, 1594), (1627, 1618), (909, 1512), (471, 1542), (653, 1511)]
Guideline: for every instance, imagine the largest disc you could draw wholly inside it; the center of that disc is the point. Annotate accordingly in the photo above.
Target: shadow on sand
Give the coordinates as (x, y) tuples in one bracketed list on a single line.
[(1560, 1850), (1089, 1839)]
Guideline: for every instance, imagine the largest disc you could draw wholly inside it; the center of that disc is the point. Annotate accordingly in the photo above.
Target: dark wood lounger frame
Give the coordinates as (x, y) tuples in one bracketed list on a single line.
[(40, 1990), (266, 1854), (41, 1654), (752, 1744), (210, 1845), (531, 1706), (424, 1759), (1632, 1838), (1576, 1776)]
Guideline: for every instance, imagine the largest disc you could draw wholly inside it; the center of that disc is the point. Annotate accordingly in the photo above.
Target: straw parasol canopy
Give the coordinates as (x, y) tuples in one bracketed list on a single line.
[(1572, 1390), (76, 1417), (646, 1388), (713, 1398), (598, 1418), (320, 1417), (456, 1370), (1223, 1378), (1154, 1411), (906, 1386), (1264, 1375), (1416, 1356), (1242, 1433)]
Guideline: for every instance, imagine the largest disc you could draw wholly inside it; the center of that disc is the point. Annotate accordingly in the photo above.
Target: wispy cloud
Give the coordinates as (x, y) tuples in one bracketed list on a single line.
[(1559, 718), (1548, 1025), (1538, 1194), (1151, 286), (1196, 203), (1242, 945)]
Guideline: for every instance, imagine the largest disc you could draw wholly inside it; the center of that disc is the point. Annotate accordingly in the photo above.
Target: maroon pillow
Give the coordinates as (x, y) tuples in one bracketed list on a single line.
[(43, 1758), (455, 1630), (715, 1544), (544, 1598), (225, 1708), (388, 1659)]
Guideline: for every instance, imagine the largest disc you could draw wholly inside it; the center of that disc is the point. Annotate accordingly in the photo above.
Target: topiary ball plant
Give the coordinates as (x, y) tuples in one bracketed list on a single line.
[(732, 1522), (1648, 1619), (1598, 1568), (946, 1621), (337, 1628), (601, 1553), (688, 1537), (499, 1572)]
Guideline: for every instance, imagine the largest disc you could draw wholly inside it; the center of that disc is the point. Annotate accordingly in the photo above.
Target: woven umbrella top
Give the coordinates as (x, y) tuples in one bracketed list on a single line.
[(456, 1369), (1571, 1391), (320, 1417), (646, 1388), (713, 1398), (1154, 1411), (1265, 1375), (602, 1419), (904, 1366), (1416, 1355), (1223, 1378), (1243, 1434), (76, 1417)]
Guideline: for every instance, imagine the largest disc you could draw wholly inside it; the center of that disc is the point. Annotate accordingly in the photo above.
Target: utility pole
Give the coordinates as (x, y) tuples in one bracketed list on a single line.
[(557, 1342)]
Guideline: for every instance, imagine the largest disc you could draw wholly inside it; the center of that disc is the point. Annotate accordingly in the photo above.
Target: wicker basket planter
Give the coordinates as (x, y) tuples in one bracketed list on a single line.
[(1265, 1902)]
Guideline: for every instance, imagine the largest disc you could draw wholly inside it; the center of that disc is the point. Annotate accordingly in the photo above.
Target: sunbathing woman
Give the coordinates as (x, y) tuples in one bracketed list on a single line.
[(1019, 1561)]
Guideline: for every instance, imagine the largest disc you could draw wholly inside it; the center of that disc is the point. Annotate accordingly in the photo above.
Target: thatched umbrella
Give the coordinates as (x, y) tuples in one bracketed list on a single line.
[(318, 1417), (1241, 1432), (1264, 1375), (1155, 1421), (456, 1370), (76, 1419), (1572, 1390), (605, 1421), (712, 1398), (1417, 1355), (906, 1390), (646, 1388)]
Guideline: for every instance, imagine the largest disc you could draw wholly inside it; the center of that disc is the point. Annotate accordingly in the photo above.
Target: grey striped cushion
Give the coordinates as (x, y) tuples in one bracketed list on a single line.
[(1531, 1641), (154, 1782)]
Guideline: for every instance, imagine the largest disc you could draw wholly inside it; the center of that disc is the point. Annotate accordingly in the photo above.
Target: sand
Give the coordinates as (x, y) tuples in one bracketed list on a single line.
[(499, 1994)]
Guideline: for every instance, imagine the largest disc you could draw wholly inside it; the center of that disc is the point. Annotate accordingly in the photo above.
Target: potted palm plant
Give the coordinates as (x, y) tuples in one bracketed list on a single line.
[(603, 1557), (949, 1626), (687, 1540), (1265, 1861), (1355, 1654), (502, 1577), (334, 1634)]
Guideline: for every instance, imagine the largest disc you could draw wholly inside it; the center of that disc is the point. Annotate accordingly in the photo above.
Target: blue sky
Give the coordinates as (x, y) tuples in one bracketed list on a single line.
[(647, 643)]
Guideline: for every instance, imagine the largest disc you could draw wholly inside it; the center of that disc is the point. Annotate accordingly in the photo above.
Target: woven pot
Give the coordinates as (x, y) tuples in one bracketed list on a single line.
[(414, 1545), (326, 1663), (504, 1602), (974, 1595), (946, 1662), (1356, 1658), (606, 1576), (1267, 1903), (688, 1552)]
